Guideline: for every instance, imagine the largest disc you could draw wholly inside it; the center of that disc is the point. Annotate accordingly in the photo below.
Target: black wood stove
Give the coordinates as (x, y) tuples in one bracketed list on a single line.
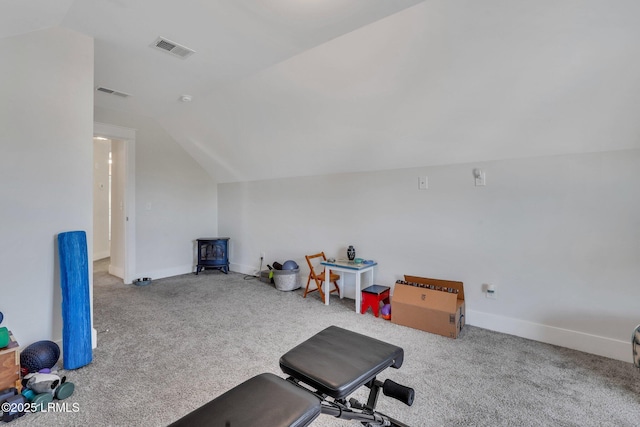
[(213, 252)]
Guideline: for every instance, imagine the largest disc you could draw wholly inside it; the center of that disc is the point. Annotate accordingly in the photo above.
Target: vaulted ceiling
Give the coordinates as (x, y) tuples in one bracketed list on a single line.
[(305, 87)]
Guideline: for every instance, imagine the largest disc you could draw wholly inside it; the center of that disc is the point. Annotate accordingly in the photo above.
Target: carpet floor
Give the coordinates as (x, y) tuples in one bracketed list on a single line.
[(167, 348)]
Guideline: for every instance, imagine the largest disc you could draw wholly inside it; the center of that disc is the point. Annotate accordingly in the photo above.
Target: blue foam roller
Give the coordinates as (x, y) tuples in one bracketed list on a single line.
[(76, 310)]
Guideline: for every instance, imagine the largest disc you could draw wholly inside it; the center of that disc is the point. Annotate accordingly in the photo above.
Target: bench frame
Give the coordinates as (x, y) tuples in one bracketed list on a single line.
[(322, 372)]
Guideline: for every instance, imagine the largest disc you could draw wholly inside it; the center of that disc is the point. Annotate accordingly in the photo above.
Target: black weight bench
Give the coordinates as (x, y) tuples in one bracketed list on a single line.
[(333, 363), (264, 400)]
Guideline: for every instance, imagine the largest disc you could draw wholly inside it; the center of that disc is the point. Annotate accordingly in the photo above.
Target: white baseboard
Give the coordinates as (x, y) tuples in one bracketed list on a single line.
[(601, 346), (155, 274), (116, 271), (101, 255), (167, 272), (245, 269)]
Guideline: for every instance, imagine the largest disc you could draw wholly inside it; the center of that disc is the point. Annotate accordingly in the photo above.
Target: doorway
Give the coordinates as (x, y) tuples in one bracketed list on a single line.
[(114, 185), (102, 174)]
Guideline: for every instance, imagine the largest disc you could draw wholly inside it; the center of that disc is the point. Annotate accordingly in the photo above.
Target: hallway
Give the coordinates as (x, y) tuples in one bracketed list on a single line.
[(101, 276)]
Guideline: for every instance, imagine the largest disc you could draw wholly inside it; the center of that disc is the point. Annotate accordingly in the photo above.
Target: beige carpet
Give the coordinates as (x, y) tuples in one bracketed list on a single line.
[(166, 349)]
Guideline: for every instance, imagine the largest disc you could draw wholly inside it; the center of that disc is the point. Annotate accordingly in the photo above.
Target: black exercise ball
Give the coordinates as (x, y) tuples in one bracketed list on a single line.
[(39, 355)]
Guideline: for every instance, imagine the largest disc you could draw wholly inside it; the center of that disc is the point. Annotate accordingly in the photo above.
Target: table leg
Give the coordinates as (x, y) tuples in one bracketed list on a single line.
[(358, 292), (371, 277), (326, 286)]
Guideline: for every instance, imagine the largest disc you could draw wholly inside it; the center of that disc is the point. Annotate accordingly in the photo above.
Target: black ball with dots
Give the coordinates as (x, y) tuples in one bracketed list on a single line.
[(39, 355)]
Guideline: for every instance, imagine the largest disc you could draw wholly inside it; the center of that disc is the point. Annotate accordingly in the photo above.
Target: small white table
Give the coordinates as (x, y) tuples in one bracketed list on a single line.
[(346, 266)]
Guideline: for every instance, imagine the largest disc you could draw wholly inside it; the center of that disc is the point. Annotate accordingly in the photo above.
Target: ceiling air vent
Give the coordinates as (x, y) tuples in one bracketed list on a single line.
[(173, 48), (112, 92)]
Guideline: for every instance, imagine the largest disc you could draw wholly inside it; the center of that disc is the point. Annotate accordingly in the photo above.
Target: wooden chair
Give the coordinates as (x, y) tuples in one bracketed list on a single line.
[(318, 276)]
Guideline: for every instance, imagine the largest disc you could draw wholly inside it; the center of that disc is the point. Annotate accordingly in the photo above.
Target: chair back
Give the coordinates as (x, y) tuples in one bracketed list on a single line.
[(317, 275), (314, 263)]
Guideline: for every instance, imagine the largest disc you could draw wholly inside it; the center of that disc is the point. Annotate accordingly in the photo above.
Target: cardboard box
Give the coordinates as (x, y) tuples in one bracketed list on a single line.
[(431, 305), (10, 365)]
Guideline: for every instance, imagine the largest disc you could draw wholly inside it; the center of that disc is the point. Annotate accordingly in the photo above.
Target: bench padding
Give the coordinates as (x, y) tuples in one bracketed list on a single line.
[(264, 400), (336, 361)]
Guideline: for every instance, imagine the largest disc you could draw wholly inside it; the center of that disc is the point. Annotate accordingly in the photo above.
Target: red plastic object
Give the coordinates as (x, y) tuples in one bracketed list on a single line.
[(372, 296)]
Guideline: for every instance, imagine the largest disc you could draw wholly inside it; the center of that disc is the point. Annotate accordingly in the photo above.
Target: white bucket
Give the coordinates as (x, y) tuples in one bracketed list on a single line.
[(286, 280)]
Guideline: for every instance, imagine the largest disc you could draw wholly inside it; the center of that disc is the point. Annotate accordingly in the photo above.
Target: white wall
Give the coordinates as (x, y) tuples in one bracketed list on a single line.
[(175, 198), (118, 214), (46, 167), (101, 151), (46, 117), (559, 236)]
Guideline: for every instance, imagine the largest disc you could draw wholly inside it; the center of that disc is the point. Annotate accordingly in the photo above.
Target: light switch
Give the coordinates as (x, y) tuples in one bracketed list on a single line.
[(423, 183)]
